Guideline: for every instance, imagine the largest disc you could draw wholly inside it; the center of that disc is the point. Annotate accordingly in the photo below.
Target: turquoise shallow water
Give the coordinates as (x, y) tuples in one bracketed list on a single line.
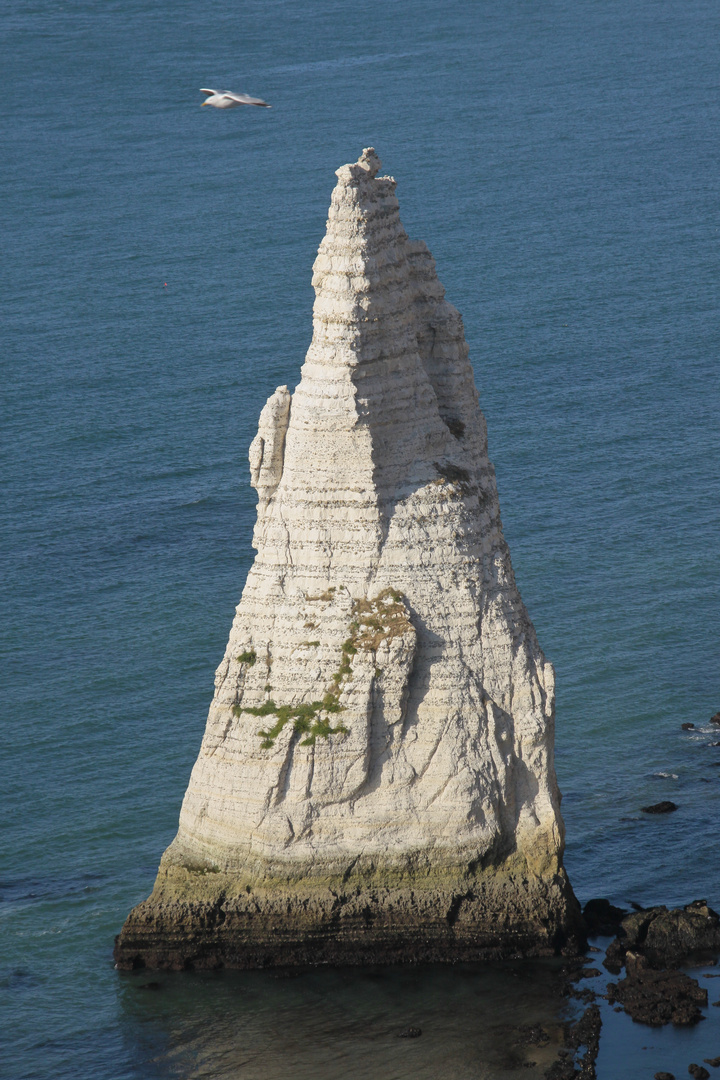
[(562, 164)]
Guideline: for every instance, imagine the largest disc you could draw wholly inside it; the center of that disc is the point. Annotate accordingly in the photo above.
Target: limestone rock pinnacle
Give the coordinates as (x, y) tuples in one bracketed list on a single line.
[(376, 779)]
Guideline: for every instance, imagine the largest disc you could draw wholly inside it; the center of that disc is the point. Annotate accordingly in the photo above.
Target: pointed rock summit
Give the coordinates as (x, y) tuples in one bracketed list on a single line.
[(376, 780)]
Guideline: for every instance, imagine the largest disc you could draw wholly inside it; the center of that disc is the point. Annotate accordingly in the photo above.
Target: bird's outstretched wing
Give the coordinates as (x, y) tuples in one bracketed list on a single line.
[(245, 99), (203, 91)]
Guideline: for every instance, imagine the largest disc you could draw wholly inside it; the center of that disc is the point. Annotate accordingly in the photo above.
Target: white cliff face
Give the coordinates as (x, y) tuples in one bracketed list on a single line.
[(376, 477), (383, 707)]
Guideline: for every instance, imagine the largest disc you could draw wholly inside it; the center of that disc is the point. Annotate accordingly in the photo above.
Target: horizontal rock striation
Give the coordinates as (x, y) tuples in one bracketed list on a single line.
[(376, 780)]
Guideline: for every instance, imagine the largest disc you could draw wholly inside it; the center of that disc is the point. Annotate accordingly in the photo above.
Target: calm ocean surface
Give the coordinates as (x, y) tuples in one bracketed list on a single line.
[(562, 161)]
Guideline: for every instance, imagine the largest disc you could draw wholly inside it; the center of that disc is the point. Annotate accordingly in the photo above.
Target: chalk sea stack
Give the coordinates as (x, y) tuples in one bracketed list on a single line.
[(376, 780)]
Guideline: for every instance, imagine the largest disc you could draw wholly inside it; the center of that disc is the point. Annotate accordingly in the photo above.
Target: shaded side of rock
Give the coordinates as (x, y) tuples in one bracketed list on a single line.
[(615, 957), (602, 917)]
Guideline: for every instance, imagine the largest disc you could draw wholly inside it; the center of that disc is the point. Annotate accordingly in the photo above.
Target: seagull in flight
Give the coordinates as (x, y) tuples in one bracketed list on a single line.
[(225, 99)]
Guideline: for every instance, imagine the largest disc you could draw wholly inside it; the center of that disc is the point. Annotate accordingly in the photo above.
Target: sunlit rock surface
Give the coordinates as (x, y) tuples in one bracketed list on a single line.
[(376, 780)]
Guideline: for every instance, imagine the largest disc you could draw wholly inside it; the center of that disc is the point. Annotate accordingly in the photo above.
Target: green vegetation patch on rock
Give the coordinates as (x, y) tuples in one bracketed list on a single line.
[(306, 718), (374, 621), (248, 657), (377, 620)]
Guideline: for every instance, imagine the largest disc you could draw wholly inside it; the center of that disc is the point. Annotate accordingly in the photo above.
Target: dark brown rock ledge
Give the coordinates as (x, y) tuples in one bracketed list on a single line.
[(204, 921)]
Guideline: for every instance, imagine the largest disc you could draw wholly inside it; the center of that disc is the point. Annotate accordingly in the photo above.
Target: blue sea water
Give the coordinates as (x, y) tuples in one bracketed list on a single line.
[(562, 161)]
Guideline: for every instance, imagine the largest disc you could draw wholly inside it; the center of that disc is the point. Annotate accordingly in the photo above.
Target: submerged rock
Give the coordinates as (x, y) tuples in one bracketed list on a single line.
[(664, 807), (376, 781), (533, 1035), (584, 1033)]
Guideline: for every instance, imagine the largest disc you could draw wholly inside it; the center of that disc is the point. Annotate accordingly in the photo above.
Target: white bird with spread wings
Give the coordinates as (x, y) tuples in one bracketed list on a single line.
[(225, 99)]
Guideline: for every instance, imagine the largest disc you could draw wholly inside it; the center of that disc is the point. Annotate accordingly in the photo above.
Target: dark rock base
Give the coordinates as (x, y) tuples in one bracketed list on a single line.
[(195, 921)]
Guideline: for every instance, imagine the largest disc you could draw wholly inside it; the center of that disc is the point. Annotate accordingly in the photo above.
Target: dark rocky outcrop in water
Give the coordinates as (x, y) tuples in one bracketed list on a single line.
[(664, 807), (651, 944), (585, 1032), (667, 938), (657, 997)]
